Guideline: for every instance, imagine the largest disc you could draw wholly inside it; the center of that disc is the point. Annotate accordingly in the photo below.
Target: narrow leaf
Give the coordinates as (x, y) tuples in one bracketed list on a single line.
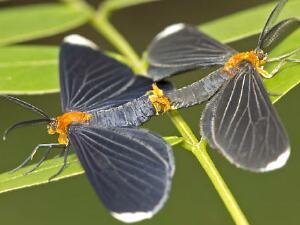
[(32, 69), (28, 70), (114, 5), (25, 23), (223, 28), (174, 140), (17, 180), (248, 22), (289, 76)]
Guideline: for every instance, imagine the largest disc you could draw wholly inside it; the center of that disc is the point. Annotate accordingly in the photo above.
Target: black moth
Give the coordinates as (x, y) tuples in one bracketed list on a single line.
[(239, 119), (103, 102)]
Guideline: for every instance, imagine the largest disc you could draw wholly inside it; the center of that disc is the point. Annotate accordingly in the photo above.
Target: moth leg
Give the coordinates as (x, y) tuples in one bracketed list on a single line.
[(45, 156), (66, 153), (293, 60), (275, 70), (283, 59), (30, 157), (284, 56)]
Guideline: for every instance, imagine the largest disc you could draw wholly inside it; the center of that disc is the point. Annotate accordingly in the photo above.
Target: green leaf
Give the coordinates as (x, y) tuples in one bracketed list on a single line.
[(248, 22), (113, 5), (28, 70), (289, 76), (280, 84), (17, 180), (229, 28), (25, 23), (32, 69), (174, 140)]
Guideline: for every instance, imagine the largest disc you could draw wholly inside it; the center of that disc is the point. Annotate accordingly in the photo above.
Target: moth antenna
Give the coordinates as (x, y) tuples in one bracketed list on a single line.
[(270, 21), (27, 106), (23, 124)]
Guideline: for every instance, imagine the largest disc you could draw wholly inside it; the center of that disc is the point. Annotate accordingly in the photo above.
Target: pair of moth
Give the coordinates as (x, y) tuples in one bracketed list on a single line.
[(103, 103)]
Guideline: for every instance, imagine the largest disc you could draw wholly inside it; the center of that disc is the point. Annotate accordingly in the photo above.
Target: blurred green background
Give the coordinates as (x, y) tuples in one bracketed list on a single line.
[(271, 198)]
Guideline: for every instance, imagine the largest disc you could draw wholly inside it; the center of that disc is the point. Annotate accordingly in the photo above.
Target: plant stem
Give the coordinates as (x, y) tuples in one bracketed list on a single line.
[(101, 22), (200, 152), (199, 149), (109, 32)]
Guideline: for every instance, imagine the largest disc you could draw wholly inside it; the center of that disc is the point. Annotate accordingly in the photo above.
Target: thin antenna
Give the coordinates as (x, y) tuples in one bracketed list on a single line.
[(27, 106), (270, 21), (23, 124)]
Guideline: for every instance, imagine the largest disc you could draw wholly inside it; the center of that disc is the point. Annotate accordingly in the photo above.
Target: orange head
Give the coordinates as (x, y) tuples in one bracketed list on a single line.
[(257, 58), (60, 124)]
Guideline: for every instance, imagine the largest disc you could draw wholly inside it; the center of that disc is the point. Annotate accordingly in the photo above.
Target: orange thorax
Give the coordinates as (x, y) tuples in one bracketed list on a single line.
[(250, 56), (62, 123)]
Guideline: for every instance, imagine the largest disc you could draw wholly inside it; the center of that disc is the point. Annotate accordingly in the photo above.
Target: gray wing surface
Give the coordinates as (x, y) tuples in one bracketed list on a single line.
[(278, 32), (130, 169), (270, 22), (245, 126), (207, 119), (91, 80), (180, 47)]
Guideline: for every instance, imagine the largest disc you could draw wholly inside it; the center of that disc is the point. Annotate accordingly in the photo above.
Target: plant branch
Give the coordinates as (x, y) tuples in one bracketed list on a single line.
[(102, 24), (200, 152)]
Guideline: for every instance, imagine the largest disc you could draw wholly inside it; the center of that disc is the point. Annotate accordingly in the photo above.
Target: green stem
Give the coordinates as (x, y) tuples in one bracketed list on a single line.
[(200, 152), (110, 33), (102, 24)]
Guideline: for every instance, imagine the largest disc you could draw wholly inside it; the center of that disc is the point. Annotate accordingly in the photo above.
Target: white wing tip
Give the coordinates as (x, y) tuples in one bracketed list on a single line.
[(76, 39), (132, 217), (278, 163), (170, 30)]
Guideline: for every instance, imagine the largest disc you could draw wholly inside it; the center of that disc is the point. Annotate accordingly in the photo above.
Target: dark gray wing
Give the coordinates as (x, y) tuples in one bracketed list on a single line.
[(278, 32), (180, 47), (270, 23), (130, 169), (89, 79), (245, 126), (206, 125), (137, 90)]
